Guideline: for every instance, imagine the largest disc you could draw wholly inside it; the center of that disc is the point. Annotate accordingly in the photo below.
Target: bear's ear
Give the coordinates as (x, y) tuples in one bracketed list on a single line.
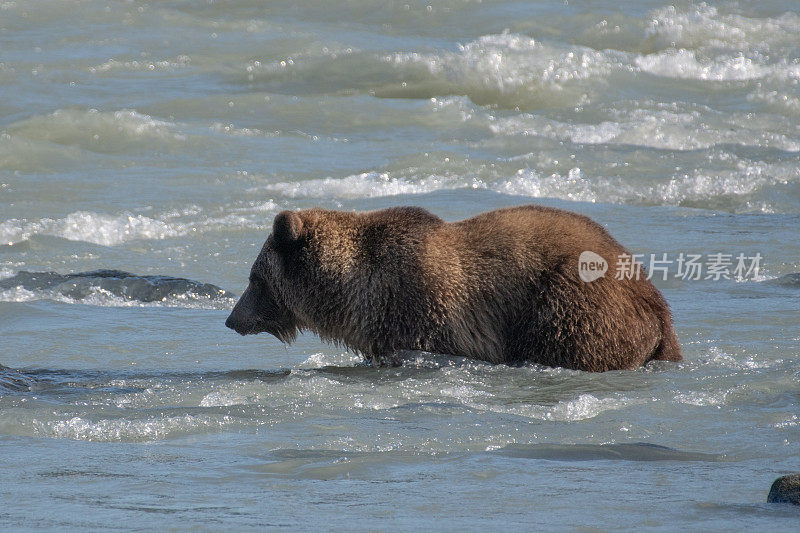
[(287, 227)]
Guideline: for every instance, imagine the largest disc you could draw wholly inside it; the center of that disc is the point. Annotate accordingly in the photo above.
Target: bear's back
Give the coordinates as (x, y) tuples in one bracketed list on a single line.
[(550, 230), (519, 268)]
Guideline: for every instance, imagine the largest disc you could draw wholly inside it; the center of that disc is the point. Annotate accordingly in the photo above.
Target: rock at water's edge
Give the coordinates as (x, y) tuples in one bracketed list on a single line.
[(786, 489)]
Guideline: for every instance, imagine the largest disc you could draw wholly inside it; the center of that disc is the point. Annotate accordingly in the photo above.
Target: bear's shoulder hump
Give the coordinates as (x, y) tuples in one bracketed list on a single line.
[(407, 215)]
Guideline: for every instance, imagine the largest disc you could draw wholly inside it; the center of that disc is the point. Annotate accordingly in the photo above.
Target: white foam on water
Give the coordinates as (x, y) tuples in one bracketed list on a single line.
[(255, 207), (527, 182), (364, 185), (673, 126), (320, 359), (701, 186), (683, 64), (149, 397), (113, 65), (792, 421), (109, 230), (512, 69), (730, 188), (708, 43), (100, 297), (113, 230), (776, 99), (716, 357), (13, 231), (97, 228), (699, 44), (702, 398), (222, 399), (155, 394), (756, 278), (510, 61), (127, 121), (460, 106), (736, 187), (584, 407), (413, 181), (702, 25), (126, 430), (231, 129), (103, 298), (463, 391), (19, 294), (100, 131)]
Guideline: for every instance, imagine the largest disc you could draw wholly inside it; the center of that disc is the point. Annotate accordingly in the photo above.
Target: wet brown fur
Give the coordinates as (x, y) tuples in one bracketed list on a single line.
[(501, 287)]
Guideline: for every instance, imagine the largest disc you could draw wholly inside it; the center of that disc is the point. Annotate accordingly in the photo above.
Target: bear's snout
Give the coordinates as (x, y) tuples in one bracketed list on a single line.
[(238, 324), (241, 319), (258, 311), (235, 325)]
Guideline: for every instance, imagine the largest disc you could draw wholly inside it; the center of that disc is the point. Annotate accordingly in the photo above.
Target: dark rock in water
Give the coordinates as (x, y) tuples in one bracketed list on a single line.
[(634, 451), (13, 381), (117, 283), (786, 489), (789, 280)]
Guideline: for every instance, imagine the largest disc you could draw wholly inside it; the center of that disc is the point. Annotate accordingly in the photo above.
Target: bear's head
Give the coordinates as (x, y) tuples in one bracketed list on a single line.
[(263, 305), (348, 277)]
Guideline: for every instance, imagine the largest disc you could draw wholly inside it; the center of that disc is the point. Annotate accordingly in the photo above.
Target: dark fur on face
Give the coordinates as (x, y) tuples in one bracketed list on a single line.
[(501, 287), (261, 308)]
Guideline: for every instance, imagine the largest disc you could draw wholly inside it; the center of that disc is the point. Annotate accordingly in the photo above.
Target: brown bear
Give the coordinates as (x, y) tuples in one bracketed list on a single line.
[(506, 286)]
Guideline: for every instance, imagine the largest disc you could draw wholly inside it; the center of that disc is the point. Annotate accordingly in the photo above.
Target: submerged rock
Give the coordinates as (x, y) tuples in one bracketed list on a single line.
[(789, 280), (125, 286), (785, 489), (13, 381)]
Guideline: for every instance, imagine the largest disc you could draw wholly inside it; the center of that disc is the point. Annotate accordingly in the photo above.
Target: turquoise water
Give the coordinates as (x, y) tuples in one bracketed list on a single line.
[(160, 139)]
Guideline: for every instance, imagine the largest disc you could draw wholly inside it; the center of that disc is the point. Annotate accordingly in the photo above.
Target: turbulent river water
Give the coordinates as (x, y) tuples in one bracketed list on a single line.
[(146, 146)]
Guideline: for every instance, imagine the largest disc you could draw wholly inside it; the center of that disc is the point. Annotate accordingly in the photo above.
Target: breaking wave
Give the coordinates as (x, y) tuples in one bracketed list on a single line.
[(505, 70), (114, 288), (98, 131), (512, 70), (746, 187), (97, 228), (661, 126), (112, 230), (702, 25)]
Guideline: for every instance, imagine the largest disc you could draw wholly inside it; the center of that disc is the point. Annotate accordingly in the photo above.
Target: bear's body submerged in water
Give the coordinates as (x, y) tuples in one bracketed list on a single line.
[(502, 287)]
